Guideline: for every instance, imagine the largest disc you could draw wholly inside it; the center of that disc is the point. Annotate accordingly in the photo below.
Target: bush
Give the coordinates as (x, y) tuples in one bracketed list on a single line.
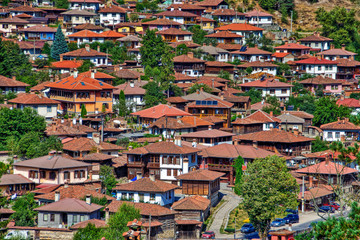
[(230, 230)]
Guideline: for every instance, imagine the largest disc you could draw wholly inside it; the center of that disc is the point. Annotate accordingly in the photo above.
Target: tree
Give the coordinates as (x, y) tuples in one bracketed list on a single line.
[(239, 162), (118, 221), (326, 111), (254, 94), (90, 232), (83, 110), (59, 45), (319, 145), (62, 4), (24, 210), (107, 177), (305, 103), (166, 68), (134, 17), (198, 34), (200, 86), (153, 95), (224, 74), (87, 64), (268, 189), (152, 49), (46, 49), (122, 104), (182, 49)]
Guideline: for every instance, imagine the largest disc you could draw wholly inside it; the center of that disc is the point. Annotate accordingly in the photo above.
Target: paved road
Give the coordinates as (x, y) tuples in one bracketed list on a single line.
[(231, 201)]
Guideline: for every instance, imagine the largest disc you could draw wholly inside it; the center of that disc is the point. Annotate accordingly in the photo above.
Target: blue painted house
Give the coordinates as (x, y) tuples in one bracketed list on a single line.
[(39, 33)]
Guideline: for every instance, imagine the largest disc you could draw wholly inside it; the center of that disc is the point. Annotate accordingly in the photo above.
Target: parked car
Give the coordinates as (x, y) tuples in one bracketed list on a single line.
[(326, 209), (208, 235), (291, 218), (247, 228), (278, 222), (18, 234), (293, 211), (254, 235), (335, 205)]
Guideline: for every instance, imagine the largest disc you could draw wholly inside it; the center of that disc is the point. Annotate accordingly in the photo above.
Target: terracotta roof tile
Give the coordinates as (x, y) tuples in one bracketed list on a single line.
[(128, 74), (185, 6), (88, 26), (79, 13), (80, 83), (176, 13), (226, 12), (164, 148), (192, 203), (209, 3), (252, 51), (55, 162), (229, 47), (174, 31), (82, 52), (186, 59), (349, 102), (320, 80), (219, 103), (13, 20), (238, 27), (315, 38), (112, 34), (337, 52), (33, 99), (160, 111), (162, 22), (189, 44), (257, 117), (67, 64), (343, 62), (344, 124), (195, 121), (314, 193), (120, 161), (327, 168), (11, 82), (213, 119), (201, 175), (224, 34), (280, 54), (170, 123), (39, 29), (213, 133), (258, 64), (87, 144), (70, 205), (10, 179), (267, 83), (146, 209), (112, 9), (293, 46), (146, 185), (98, 75), (86, 34), (129, 89), (316, 61), (257, 13), (300, 114)]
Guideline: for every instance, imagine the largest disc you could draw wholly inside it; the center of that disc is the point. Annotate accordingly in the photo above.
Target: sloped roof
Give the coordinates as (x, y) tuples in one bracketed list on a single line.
[(67, 64), (175, 13), (201, 95), (11, 82), (327, 168), (185, 6), (87, 144), (112, 34), (69, 205), (78, 12), (98, 75), (258, 64), (293, 46), (88, 26), (112, 9), (80, 83), (159, 111), (300, 114), (174, 31), (191, 203), (212, 50), (213, 133), (257, 117), (129, 89), (320, 80), (186, 59), (51, 162), (163, 148), (33, 99), (349, 102), (128, 74), (146, 185), (162, 22), (86, 34), (219, 103), (252, 51), (170, 123), (344, 124), (208, 3), (201, 175), (315, 38), (82, 52), (229, 47), (238, 27), (256, 13), (288, 118), (189, 44), (344, 62), (146, 209), (226, 12), (39, 29), (267, 83), (195, 121), (337, 52), (316, 61), (10, 179), (224, 34), (14, 20)]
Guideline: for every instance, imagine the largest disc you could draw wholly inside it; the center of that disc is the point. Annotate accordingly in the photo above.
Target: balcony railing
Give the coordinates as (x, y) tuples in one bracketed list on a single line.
[(220, 167), (136, 164), (153, 165)]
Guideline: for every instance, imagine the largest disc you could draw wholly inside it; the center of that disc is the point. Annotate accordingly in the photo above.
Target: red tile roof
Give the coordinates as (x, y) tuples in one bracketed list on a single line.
[(226, 12), (315, 38), (192, 203), (293, 46), (213, 133), (267, 83), (69, 205), (337, 52), (219, 103), (129, 89), (259, 105), (325, 167), (257, 117), (160, 111), (174, 31), (67, 64), (300, 114), (80, 83), (258, 64), (344, 124), (280, 55), (195, 121), (37, 29), (252, 51), (33, 99), (209, 3), (82, 52), (316, 61), (229, 47), (315, 193), (186, 59), (238, 27), (162, 22), (176, 13), (170, 123), (11, 82), (88, 26), (224, 34), (185, 6), (201, 175), (10, 179), (343, 62), (86, 34), (112, 34), (87, 144), (349, 102), (146, 209), (163, 148), (189, 44), (146, 185), (320, 80), (51, 162), (257, 13), (112, 9)]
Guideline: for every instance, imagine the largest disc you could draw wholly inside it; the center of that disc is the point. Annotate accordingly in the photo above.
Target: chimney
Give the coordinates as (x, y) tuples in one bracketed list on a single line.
[(222, 96), (286, 41), (61, 58), (271, 114), (327, 159), (57, 78), (152, 177), (212, 83), (296, 132), (256, 46), (342, 46), (57, 196), (179, 8), (66, 184), (98, 48), (138, 175), (210, 127), (190, 54), (185, 165), (139, 79), (132, 84), (311, 183), (90, 175), (107, 215), (62, 120), (93, 71), (88, 199), (80, 121), (51, 154), (204, 44), (130, 148), (74, 121), (5, 101), (332, 46), (255, 144), (194, 143), (87, 47), (172, 9), (14, 78), (75, 73), (201, 89), (178, 141)]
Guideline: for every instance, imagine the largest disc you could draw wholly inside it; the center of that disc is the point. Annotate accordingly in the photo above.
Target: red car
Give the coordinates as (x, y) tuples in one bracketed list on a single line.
[(333, 205), (208, 235)]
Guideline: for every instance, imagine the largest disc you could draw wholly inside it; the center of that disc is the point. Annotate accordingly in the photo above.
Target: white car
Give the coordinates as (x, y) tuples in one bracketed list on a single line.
[(18, 234)]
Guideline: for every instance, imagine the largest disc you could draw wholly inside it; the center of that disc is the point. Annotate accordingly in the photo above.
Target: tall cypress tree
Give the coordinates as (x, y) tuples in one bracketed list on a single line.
[(83, 110), (238, 163), (59, 46)]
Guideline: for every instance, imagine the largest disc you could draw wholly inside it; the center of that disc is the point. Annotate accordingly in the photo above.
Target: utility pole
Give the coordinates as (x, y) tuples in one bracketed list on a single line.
[(150, 226), (235, 228), (291, 21), (303, 195), (102, 128)]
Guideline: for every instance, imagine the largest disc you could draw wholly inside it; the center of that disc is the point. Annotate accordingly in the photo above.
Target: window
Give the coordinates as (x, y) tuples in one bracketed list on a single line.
[(175, 172), (283, 91), (141, 197), (76, 174), (5, 26), (33, 174), (42, 174), (152, 196), (45, 217), (337, 135), (82, 218), (52, 175), (67, 175), (75, 218), (329, 135), (272, 91), (168, 172), (131, 196), (52, 217), (319, 68), (48, 109)]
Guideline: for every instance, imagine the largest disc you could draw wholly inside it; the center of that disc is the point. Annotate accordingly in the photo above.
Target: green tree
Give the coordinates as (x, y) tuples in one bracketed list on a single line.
[(319, 145), (134, 17), (46, 49), (62, 4), (118, 221), (167, 68), (268, 189), (90, 232), (107, 177), (83, 110), (254, 94), (200, 86), (99, 201), (224, 74), (304, 103), (24, 210), (152, 49), (122, 104), (182, 49), (153, 95), (355, 95), (238, 164), (87, 64), (198, 34), (59, 45), (326, 111)]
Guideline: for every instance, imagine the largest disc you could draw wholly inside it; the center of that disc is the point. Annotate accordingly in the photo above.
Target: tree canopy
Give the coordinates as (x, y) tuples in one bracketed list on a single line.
[(268, 189), (59, 45), (107, 177), (326, 111), (24, 210), (153, 95), (254, 94)]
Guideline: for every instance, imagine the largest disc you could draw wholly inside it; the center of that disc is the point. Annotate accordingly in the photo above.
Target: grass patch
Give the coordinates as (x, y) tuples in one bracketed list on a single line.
[(240, 215), (210, 219)]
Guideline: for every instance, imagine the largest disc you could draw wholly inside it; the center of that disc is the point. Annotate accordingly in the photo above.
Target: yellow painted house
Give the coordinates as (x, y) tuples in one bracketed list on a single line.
[(206, 24), (129, 28)]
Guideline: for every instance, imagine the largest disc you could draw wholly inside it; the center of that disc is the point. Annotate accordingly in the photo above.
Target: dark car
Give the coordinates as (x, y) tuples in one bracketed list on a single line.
[(326, 209), (247, 228), (254, 235), (278, 222), (291, 218), (208, 235)]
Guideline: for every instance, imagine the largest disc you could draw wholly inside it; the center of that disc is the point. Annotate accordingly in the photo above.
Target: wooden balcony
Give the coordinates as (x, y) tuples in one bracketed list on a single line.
[(202, 115), (136, 164), (153, 165), (220, 167)]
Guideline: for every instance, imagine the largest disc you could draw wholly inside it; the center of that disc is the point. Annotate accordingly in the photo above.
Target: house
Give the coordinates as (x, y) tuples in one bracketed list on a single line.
[(189, 65), (12, 25), (229, 46), (149, 115), (129, 28), (168, 127), (211, 5), (39, 33), (316, 41), (271, 87), (210, 137), (85, 36), (228, 16), (182, 17), (80, 147), (165, 160), (101, 76), (241, 103), (130, 41), (341, 130), (187, 7), (242, 29), (258, 66), (175, 35), (220, 158), (32, 11), (352, 103), (259, 18), (11, 184), (12, 85), (347, 69), (66, 129), (112, 15), (211, 106), (134, 95), (226, 37), (303, 115), (282, 57), (329, 85), (335, 54), (52, 169), (194, 207), (67, 212), (88, 26), (73, 18), (290, 122), (206, 24), (96, 57), (203, 183), (130, 76), (257, 76), (216, 67), (218, 54), (278, 141), (317, 66), (294, 48), (147, 190), (65, 66), (112, 35), (160, 24), (256, 122), (76, 91), (44, 106), (88, 5), (251, 55)]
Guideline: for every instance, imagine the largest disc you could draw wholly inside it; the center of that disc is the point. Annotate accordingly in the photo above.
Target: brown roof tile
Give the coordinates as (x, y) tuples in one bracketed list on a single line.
[(33, 99), (160, 111), (70, 205), (10, 179), (344, 124), (328, 168), (213, 133), (87, 144), (146, 185), (201, 175), (192, 203), (164, 148), (257, 117), (11, 82), (55, 162), (146, 209)]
